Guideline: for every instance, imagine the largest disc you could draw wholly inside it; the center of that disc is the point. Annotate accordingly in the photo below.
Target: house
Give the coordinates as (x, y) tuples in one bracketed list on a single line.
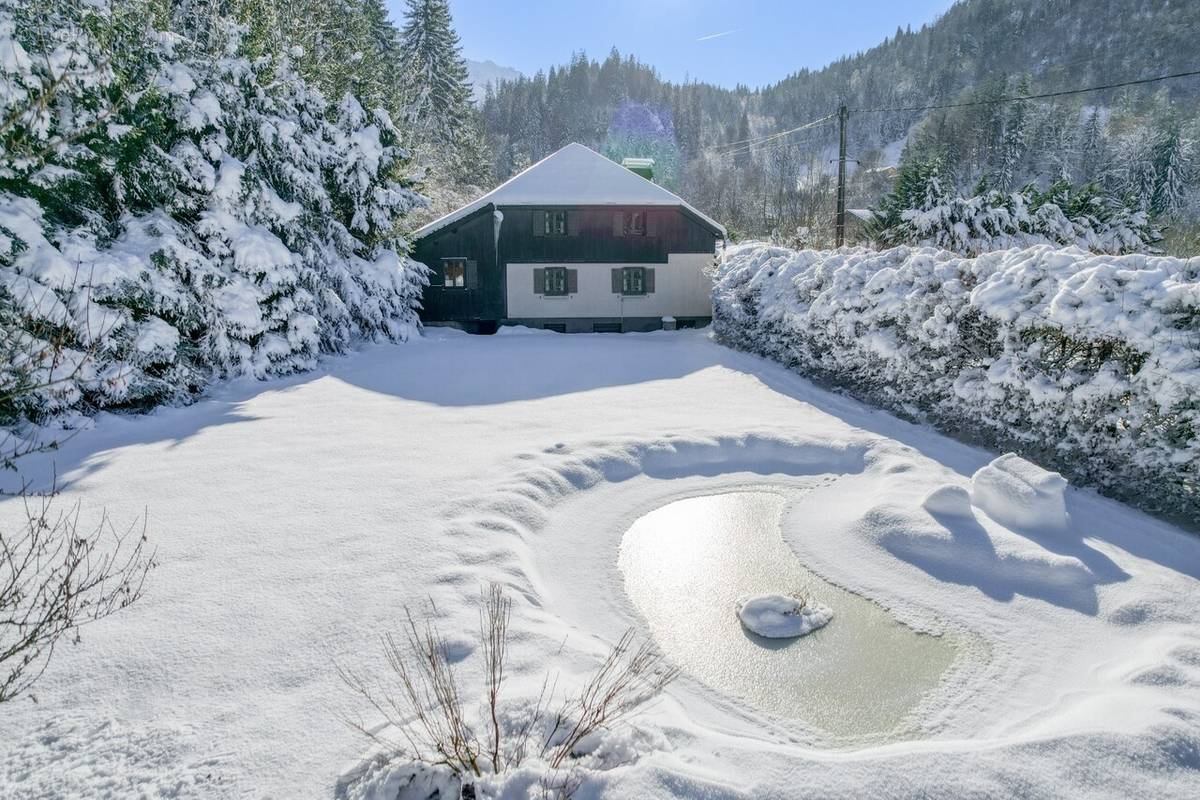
[(859, 225), (575, 243)]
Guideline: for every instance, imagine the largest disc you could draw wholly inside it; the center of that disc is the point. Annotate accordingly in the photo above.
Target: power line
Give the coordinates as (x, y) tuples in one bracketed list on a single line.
[(748, 143), (1043, 96), (770, 146)]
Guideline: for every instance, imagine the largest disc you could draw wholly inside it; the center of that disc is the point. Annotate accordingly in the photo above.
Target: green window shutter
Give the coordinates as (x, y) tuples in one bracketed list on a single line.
[(619, 224), (471, 279), (539, 281), (572, 281), (652, 223), (571, 220), (539, 223), (649, 283), (616, 281)]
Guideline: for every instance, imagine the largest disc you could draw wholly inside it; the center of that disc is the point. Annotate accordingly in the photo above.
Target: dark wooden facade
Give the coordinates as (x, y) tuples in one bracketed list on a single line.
[(592, 237)]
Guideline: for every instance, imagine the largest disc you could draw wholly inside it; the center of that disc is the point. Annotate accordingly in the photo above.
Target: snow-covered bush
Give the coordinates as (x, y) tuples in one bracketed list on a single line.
[(1084, 363), (176, 208), (924, 210)]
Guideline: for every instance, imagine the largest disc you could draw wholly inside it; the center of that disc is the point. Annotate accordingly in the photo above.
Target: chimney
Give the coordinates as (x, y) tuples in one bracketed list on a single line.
[(640, 166)]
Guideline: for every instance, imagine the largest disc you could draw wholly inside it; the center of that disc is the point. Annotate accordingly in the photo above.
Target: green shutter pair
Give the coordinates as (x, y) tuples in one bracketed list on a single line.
[(570, 282), (618, 281)]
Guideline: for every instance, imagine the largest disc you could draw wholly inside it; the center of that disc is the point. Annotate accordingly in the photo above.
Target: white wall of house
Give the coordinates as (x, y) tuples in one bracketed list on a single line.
[(682, 289)]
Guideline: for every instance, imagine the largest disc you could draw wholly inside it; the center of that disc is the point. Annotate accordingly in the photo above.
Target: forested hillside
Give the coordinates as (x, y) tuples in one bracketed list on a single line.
[(1135, 143)]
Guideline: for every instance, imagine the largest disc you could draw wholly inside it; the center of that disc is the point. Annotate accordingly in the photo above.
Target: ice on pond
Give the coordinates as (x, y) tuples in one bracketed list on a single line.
[(781, 616), (688, 563)]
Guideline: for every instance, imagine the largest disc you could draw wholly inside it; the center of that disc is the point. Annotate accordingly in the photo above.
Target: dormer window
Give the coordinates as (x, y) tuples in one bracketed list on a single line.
[(635, 223), (631, 223), (554, 223)]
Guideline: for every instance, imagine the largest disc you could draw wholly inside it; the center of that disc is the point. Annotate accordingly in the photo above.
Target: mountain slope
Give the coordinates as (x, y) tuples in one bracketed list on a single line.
[(976, 52), (484, 73)]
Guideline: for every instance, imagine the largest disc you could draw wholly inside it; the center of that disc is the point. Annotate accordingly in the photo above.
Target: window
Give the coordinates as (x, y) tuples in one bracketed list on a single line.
[(557, 327), (606, 327), (633, 280), (635, 223), (454, 273), (555, 282), (631, 223), (555, 223)]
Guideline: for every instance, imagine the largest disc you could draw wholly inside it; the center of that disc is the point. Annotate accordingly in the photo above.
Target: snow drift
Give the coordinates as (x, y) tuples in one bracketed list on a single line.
[(1089, 364)]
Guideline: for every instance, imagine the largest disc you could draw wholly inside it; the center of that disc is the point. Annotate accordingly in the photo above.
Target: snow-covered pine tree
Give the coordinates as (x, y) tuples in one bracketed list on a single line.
[(1172, 156), (921, 211), (177, 205), (1012, 149), (1137, 177), (1093, 149)]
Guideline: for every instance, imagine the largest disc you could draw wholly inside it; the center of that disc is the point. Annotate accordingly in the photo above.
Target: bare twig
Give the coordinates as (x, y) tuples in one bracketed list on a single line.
[(425, 706)]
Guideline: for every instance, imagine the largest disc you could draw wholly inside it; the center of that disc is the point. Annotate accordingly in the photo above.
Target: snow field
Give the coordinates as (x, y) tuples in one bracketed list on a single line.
[(295, 519)]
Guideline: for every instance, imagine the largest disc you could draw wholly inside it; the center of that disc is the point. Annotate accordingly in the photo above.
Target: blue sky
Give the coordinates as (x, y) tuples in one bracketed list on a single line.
[(749, 41)]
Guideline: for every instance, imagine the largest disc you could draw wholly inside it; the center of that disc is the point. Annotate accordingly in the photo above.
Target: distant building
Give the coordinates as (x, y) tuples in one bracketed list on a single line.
[(575, 243), (858, 225)]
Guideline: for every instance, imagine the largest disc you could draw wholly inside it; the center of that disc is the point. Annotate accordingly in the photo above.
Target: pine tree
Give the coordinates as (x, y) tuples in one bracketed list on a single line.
[(436, 90), (741, 158), (1171, 157), (436, 96), (231, 220), (1093, 149), (1013, 147)]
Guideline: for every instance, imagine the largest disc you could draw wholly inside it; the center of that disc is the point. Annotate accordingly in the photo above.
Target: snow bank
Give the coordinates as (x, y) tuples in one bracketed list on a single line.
[(1089, 364), (781, 616), (1019, 494)]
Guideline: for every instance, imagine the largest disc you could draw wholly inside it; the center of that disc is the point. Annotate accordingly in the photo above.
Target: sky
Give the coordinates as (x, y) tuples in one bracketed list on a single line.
[(726, 42)]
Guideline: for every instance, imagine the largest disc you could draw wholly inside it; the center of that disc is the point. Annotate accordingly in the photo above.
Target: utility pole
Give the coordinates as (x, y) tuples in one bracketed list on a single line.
[(840, 224)]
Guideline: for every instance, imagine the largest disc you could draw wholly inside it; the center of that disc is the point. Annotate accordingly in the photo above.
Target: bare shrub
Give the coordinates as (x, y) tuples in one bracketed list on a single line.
[(424, 704), (629, 676), (54, 577)]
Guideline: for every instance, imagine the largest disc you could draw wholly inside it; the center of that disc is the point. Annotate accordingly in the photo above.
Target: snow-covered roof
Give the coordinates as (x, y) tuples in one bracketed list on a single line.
[(865, 214), (573, 176)]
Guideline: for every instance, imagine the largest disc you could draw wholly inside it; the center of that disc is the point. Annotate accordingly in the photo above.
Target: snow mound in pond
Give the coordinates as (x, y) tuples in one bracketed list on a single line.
[(1020, 494), (780, 616)]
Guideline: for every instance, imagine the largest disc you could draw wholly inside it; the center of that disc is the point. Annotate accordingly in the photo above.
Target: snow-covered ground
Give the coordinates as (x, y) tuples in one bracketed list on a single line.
[(295, 519)]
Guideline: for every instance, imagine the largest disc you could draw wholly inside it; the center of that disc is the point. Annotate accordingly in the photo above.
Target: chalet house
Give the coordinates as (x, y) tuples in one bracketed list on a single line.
[(575, 243)]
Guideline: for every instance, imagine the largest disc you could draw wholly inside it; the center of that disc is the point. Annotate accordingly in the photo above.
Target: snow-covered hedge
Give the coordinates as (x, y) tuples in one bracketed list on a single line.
[(176, 207), (1087, 364)]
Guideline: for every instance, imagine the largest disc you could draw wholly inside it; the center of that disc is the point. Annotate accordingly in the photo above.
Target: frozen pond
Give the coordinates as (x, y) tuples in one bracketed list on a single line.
[(687, 563)]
